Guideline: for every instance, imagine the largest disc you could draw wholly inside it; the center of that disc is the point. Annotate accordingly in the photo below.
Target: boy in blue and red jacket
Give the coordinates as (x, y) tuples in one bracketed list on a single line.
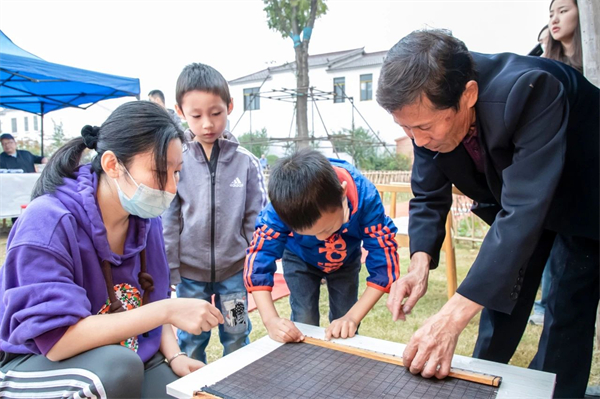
[(320, 212)]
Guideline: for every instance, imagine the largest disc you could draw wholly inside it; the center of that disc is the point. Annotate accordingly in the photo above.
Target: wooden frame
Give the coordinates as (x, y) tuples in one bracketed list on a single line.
[(516, 381), (466, 375), (404, 240)]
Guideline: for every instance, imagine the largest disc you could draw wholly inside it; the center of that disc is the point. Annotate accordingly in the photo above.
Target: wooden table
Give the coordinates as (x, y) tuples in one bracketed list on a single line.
[(516, 381)]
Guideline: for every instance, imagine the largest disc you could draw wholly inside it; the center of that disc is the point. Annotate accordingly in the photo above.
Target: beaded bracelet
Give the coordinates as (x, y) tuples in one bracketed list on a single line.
[(174, 356)]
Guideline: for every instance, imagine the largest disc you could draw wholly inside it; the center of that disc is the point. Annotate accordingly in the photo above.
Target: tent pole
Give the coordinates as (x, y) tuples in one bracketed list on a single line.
[(42, 145)]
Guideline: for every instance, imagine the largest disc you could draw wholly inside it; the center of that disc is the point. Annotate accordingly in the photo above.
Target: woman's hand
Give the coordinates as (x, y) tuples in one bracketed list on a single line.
[(183, 365), (193, 315)]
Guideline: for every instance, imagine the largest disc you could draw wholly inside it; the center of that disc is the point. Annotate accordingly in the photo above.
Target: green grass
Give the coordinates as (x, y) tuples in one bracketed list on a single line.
[(379, 324)]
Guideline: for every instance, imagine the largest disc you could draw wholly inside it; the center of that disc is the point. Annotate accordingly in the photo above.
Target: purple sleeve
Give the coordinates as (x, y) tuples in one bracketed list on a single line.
[(40, 299), (47, 340)]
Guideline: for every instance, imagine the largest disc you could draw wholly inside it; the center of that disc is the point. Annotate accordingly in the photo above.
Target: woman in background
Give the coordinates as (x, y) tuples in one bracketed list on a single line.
[(564, 42)]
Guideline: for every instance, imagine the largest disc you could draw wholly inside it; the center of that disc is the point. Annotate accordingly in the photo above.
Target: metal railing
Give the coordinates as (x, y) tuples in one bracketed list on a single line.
[(376, 176)]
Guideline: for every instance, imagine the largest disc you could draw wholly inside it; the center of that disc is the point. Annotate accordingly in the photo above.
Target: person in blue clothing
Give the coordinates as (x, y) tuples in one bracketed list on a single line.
[(264, 163), (321, 211)]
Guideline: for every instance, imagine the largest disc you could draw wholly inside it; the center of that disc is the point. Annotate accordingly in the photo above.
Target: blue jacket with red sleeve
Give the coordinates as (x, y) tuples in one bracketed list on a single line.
[(367, 224)]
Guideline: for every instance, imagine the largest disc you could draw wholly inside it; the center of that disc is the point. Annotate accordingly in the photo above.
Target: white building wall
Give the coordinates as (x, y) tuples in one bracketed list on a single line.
[(276, 116), (6, 126)]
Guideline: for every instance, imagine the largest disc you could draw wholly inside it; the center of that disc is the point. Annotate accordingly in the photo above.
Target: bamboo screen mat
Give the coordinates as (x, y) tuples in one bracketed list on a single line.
[(305, 371)]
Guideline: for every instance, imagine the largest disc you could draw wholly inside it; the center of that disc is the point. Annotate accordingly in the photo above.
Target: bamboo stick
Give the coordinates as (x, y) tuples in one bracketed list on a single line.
[(466, 375), (454, 372), (204, 395)]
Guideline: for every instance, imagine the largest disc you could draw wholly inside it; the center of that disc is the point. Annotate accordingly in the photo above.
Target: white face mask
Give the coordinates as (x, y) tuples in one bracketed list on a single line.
[(146, 202)]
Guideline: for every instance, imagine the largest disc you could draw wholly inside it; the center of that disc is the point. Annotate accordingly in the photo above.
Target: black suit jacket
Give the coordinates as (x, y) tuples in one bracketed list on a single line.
[(24, 160), (538, 128)]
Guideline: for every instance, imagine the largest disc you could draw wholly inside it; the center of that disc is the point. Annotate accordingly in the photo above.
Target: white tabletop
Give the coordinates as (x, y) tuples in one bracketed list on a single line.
[(15, 190), (516, 381)]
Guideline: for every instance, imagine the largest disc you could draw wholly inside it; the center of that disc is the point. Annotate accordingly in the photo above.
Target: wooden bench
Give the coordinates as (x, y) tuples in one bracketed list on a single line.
[(402, 237)]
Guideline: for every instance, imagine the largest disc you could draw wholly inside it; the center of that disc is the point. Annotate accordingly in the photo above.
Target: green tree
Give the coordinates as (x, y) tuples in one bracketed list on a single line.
[(32, 146), (288, 148), (271, 159), (292, 18), (256, 142), (58, 138), (366, 152), (358, 143), (385, 161)]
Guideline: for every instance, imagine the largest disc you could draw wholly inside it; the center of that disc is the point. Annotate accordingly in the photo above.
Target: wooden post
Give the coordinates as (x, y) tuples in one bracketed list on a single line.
[(589, 15), (393, 206), (448, 247)]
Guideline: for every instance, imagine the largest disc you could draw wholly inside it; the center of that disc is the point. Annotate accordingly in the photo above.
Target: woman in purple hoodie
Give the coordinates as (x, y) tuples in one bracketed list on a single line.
[(85, 286)]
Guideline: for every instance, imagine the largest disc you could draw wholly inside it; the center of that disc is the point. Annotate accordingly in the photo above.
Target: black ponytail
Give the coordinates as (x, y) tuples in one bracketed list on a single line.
[(62, 164), (133, 128)]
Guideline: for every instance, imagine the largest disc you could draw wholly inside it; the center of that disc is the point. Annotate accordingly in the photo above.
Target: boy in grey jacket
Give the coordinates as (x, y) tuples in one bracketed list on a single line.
[(211, 220)]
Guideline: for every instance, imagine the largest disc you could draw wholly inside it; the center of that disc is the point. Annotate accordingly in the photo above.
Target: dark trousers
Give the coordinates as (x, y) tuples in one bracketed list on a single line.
[(566, 344), (111, 371), (304, 282)]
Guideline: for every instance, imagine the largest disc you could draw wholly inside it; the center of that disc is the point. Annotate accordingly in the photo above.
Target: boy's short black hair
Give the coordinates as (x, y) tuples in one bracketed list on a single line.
[(302, 186), (204, 78), (157, 93)]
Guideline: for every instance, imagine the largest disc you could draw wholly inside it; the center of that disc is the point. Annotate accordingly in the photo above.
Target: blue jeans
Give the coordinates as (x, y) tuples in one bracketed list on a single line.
[(304, 282), (231, 298), (539, 307)]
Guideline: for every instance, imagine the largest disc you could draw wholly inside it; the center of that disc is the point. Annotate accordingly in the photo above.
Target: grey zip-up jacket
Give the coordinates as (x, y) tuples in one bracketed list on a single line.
[(200, 247)]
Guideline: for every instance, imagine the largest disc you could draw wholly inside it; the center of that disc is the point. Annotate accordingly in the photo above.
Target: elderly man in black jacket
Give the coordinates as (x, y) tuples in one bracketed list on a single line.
[(519, 136)]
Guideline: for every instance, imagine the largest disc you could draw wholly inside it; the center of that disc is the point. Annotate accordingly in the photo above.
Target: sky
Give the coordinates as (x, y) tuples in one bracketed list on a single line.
[(154, 40)]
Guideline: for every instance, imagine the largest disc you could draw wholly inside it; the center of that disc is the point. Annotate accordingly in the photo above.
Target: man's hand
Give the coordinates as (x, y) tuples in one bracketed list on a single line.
[(412, 286), (283, 330), (344, 327), (430, 349)]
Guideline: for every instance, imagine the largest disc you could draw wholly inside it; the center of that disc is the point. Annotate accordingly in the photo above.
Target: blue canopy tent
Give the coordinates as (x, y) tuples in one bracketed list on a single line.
[(30, 84)]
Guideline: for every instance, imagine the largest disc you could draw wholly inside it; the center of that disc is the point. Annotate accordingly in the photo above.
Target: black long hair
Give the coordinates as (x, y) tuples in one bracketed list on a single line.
[(133, 128)]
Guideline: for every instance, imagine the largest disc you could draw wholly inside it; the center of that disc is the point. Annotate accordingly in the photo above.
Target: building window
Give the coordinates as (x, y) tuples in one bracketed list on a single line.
[(35, 123), (13, 122), (26, 120), (366, 87), (251, 99), (339, 89)]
